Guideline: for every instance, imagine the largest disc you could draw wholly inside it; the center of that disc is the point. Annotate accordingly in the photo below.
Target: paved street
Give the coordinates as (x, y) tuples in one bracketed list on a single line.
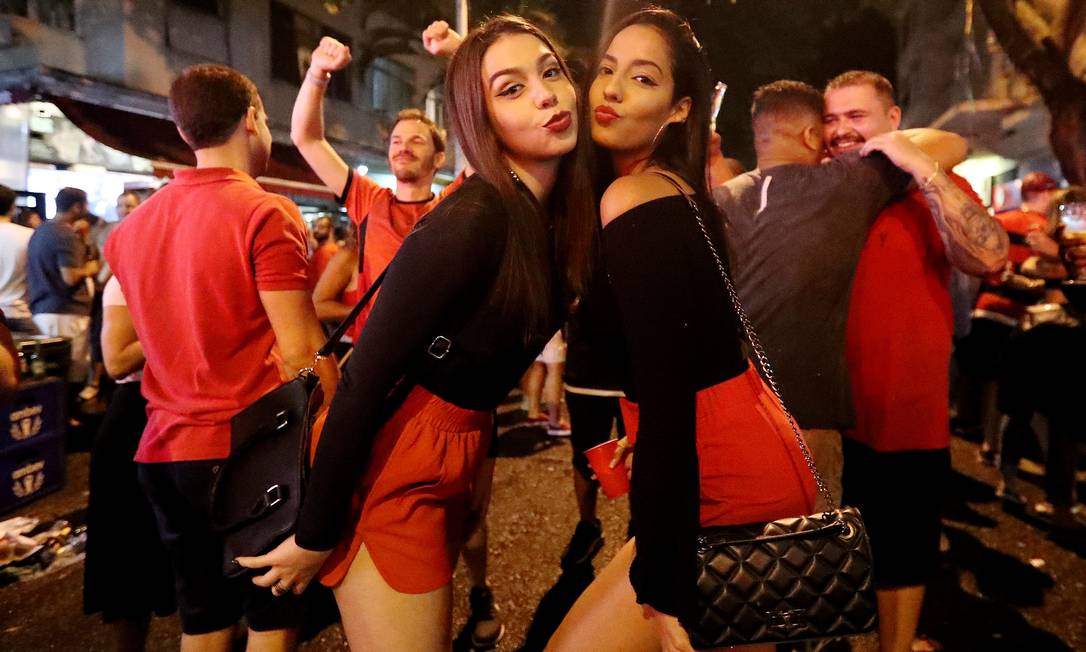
[(1005, 584)]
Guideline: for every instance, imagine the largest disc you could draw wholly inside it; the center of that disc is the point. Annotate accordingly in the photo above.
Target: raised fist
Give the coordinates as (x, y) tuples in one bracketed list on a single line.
[(330, 56), (441, 40)]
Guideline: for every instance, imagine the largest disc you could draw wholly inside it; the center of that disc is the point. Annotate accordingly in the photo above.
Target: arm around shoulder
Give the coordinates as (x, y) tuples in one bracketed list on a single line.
[(946, 148)]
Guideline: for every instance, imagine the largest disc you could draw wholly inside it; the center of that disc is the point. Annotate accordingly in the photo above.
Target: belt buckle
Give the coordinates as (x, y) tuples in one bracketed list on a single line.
[(439, 348)]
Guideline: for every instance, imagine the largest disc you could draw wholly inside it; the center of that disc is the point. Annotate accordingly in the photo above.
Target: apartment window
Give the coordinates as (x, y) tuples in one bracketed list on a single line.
[(293, 38), (435, 105), (206, 6), (54, 13), (390, 86)]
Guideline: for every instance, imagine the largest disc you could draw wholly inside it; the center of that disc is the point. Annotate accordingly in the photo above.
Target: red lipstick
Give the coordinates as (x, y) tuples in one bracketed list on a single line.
[(559, 122), (605, 115)]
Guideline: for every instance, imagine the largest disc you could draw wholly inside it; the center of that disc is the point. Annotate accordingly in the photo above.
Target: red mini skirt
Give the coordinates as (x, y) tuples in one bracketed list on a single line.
[(411, 506), (750, 466)]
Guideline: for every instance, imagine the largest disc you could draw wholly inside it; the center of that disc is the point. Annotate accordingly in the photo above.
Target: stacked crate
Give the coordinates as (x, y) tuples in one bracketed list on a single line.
[(32, 442)]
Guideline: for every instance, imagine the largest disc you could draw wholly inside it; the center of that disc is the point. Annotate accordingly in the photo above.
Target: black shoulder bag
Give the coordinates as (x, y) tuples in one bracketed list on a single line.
[(256, 497), (786, 580)]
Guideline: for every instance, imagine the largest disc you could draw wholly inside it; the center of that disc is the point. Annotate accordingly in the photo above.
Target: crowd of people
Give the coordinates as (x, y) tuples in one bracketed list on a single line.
[(582, 248)]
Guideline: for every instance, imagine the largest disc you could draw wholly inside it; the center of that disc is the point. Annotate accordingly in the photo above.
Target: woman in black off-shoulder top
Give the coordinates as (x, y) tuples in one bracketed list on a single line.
[(712, 445)]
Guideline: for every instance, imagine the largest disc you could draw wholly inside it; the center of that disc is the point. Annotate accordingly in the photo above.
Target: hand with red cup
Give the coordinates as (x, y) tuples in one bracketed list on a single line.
[(606, 461)]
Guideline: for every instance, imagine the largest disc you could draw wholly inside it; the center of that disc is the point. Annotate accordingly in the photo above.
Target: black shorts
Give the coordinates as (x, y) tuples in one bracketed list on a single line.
[(980, 353), (180, 493), (592, 419), (900, 496)]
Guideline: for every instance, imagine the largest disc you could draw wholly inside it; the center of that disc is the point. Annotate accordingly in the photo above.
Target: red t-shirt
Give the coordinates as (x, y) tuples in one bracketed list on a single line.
[(1017, 224), (192, 259), (322, 255), (388, 221), (899, 330)]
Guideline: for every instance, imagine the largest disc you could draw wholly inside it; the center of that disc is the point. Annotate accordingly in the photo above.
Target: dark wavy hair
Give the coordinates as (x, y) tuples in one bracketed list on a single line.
[(523, 280)]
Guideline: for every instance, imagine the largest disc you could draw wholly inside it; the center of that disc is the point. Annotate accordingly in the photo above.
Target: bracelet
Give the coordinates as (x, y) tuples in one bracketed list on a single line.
[(931, 177), (318, 80)]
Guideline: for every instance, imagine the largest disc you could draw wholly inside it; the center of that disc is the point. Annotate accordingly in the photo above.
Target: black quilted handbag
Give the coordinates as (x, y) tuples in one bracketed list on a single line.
[(786, 580)]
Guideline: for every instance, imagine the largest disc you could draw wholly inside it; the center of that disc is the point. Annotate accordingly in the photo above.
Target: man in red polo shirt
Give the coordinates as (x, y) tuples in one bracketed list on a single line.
[(214, 271), (898, 345)]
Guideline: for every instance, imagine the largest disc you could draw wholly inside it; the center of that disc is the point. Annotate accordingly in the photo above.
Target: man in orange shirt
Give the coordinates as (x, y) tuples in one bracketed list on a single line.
[(214, 272), (324, 250), (898, 348), (416, 151)]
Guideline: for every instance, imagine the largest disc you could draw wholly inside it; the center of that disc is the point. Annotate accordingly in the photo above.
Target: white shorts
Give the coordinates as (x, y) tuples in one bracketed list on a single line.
[(77, 329), (555, 351)]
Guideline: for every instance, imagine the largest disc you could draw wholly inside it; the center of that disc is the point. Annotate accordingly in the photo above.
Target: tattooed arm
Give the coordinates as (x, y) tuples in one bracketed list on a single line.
[(975, 242)]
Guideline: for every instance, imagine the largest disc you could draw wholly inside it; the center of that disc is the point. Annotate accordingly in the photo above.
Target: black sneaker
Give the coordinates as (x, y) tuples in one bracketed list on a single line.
[(586, 542), (483, 630)]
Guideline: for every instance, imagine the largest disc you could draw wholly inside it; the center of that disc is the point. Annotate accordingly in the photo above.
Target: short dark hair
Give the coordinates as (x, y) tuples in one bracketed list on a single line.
[(7, 199), (436, 132), (786, 98), (883, 88), (208, 100), (68, 198)]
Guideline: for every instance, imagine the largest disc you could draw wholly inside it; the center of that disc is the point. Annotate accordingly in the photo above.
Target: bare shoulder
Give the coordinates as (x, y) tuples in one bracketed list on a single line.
[(628, 192)]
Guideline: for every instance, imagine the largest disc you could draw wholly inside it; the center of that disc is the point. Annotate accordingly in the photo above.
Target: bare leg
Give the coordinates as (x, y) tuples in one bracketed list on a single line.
[(607, 616), (277, 640), (377, 617), (532, 385), (587, 493), (218, 641), (552, 392), (475, 550), (899, 613), (130, 635)]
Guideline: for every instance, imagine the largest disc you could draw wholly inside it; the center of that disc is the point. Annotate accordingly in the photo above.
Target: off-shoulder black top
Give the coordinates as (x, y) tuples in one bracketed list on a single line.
[(682, 336)]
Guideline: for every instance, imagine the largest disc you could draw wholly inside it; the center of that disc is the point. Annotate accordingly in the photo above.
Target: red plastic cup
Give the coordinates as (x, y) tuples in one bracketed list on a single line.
[(614, 482)]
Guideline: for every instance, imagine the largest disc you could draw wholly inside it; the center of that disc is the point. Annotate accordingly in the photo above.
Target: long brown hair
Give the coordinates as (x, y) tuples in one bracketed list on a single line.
[(522, 280)]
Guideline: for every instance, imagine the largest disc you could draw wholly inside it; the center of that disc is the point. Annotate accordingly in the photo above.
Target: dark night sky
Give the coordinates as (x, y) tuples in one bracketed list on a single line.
[(749, 42)]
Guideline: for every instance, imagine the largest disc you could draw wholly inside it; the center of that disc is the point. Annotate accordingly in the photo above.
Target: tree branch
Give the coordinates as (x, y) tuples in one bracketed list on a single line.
[(1074, 25), (1041, 65)]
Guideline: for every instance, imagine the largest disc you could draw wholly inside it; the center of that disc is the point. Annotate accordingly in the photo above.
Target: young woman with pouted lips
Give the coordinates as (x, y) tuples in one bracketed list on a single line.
[(471, 298), (712, 445)]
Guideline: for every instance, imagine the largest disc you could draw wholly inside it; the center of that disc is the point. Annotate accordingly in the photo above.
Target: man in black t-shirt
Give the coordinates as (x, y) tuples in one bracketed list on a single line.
[(795, 228)]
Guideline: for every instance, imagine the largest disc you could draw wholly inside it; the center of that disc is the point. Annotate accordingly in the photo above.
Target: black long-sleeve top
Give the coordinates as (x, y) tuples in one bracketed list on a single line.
[(441, 282), (683, 336)]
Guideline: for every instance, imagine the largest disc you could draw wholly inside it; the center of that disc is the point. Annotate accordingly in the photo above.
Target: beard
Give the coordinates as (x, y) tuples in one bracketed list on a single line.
[(413, 170)]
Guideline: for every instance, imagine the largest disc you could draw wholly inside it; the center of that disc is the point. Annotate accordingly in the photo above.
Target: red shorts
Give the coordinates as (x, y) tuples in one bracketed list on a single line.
[(411, 507), (751, 468)]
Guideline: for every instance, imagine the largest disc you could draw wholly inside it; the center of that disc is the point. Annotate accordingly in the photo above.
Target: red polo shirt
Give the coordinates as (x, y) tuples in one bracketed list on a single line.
[(192, 260), (899, 330)]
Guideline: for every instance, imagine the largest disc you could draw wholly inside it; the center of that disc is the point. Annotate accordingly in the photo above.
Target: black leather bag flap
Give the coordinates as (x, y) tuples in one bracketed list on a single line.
[(257, 494)]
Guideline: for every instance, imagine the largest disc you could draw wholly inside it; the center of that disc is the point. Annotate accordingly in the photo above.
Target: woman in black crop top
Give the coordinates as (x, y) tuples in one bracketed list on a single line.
[(712, 446), (471, 298)]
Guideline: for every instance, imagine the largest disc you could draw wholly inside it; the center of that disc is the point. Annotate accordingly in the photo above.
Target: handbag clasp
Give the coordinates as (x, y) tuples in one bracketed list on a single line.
[(439, 348)]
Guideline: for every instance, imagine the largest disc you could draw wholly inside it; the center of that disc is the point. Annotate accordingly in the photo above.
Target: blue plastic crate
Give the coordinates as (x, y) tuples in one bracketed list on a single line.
[(29, 471), (36, 413)]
